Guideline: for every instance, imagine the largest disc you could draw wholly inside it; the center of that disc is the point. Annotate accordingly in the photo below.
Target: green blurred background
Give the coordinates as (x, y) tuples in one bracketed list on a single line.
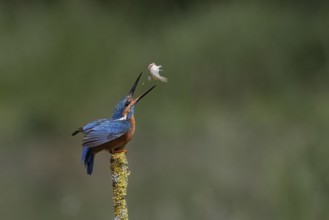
[(239, 132)]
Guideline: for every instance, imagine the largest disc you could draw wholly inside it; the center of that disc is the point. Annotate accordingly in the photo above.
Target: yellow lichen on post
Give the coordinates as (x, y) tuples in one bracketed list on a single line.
[(120, 173)]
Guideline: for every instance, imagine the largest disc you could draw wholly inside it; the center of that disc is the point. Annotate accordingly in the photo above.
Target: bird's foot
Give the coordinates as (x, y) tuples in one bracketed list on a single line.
[(118, 151)]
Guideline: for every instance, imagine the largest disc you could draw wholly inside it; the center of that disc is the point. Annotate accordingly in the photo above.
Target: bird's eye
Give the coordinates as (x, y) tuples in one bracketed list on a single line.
[(127, 103)]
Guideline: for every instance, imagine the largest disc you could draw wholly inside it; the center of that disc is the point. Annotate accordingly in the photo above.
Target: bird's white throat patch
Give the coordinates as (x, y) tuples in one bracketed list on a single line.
[(122, 118)]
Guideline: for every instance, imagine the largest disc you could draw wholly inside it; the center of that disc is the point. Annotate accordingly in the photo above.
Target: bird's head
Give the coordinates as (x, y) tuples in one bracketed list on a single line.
[(150, 66), (124, 109)]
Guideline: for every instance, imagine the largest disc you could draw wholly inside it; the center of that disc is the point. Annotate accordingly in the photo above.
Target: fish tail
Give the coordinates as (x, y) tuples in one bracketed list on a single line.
[(163, 79)]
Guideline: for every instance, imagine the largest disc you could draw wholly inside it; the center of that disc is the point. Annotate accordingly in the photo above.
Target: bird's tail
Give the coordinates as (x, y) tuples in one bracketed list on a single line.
[(163, 79), (88, 159)]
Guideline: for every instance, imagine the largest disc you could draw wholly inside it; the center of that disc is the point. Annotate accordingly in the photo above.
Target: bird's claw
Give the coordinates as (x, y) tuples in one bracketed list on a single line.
[(118, 151)]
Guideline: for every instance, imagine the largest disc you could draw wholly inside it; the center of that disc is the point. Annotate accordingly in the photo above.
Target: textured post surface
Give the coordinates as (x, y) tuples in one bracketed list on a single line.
[(120, 173)]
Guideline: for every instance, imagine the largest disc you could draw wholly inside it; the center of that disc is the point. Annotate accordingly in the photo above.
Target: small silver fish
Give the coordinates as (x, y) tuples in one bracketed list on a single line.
[(154, 73)]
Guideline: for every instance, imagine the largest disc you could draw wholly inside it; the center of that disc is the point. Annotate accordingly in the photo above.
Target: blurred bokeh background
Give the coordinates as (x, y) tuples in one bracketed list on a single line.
[(239, 132)]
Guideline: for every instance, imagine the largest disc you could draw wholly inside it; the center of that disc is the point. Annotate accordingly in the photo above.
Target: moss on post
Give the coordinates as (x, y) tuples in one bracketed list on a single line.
[(120, 173)]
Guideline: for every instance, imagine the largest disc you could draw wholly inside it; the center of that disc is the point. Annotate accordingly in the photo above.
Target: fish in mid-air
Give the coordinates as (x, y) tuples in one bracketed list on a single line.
[(154, 73)]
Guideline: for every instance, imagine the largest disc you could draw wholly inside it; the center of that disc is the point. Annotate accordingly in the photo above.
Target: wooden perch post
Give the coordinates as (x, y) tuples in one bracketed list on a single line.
[(120, 173)]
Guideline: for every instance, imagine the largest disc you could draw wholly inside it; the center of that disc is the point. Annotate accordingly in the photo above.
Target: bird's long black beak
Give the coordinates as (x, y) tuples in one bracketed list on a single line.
[(132, 90), (141, 96)]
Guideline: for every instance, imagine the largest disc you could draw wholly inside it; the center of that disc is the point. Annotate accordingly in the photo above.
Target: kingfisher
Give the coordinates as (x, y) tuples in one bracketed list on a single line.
[(111, 134)]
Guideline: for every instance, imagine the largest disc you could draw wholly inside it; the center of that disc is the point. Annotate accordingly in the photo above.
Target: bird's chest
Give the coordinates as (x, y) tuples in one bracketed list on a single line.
[(124, 139), (131, 130)]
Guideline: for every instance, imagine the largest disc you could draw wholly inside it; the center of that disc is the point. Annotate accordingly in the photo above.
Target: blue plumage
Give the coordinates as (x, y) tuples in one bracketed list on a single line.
[(110, 134), (100, 132), (88, 159), (93, 124), (106, 131)]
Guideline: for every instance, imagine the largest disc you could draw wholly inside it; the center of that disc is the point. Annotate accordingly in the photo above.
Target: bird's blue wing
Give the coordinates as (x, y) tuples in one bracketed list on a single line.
[(104, 132), (93, 124)]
